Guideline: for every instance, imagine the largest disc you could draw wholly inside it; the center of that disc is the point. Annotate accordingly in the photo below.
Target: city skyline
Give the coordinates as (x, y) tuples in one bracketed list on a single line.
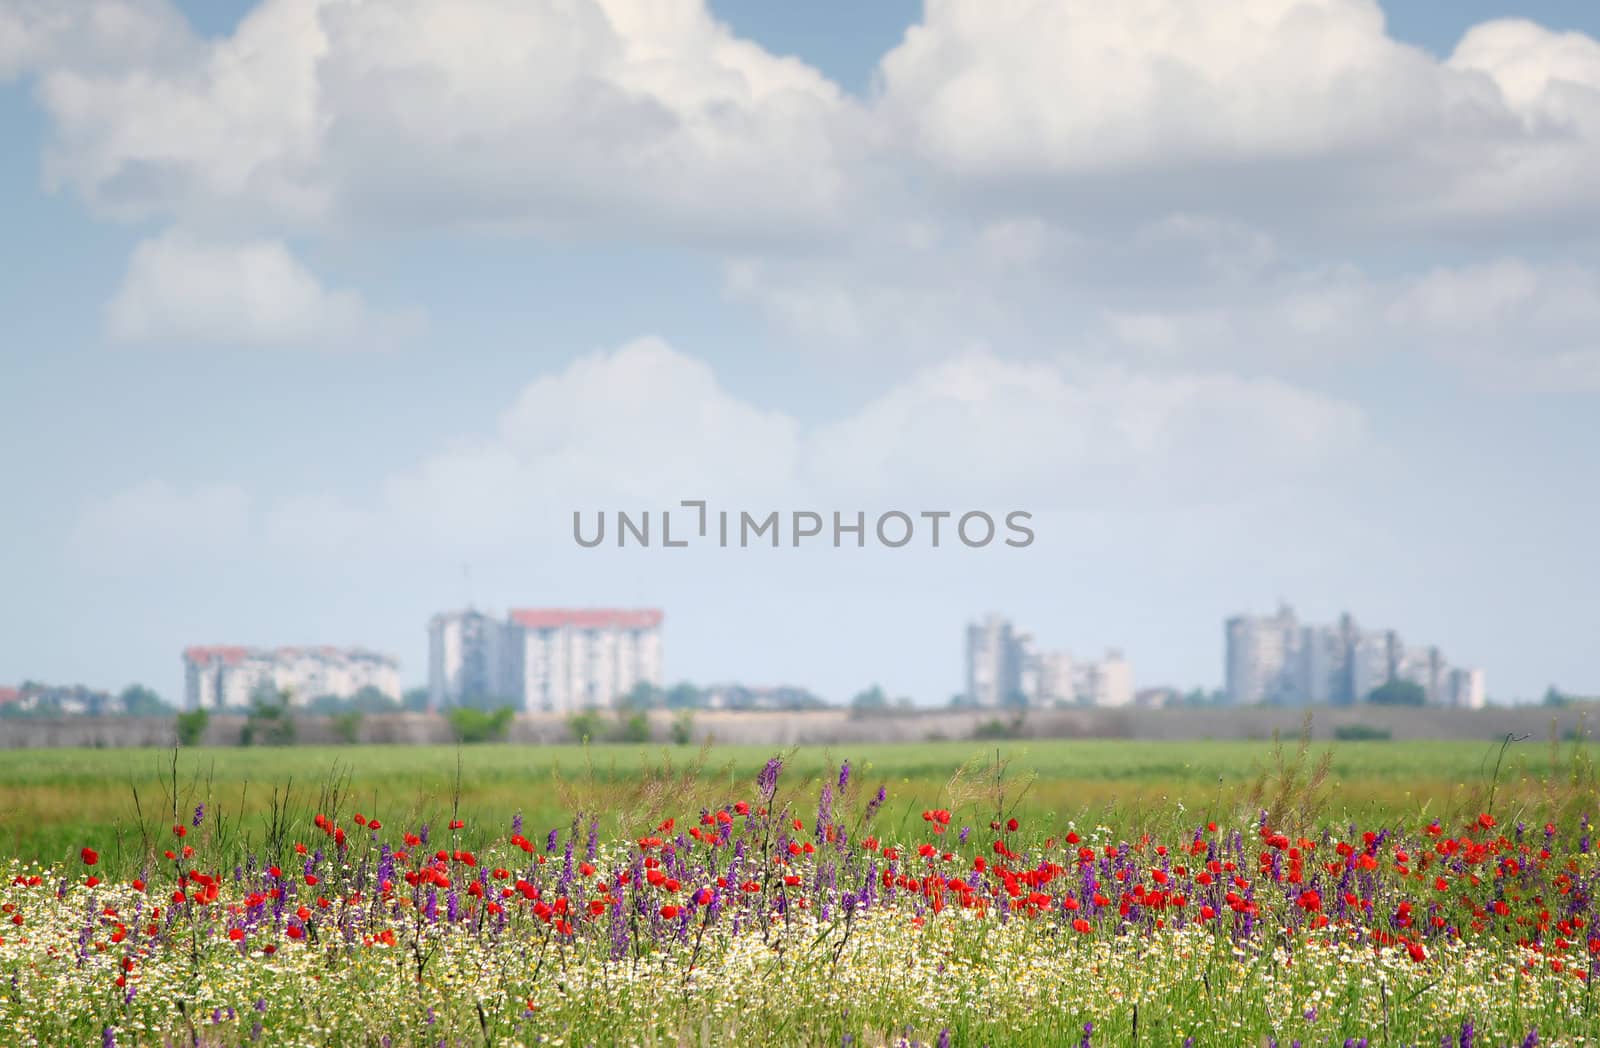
[(1273, 658), (1274, 296)]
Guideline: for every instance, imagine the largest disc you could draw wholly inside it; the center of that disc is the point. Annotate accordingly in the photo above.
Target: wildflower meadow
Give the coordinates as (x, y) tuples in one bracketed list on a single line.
[(814, 908)]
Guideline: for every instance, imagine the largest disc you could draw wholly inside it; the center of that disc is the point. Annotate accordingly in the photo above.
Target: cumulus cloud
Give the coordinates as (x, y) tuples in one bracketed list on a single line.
[(645, 426), (626, 115), (1053, 437), (1304, 110), (178, 289), (40, 35), (1513, 324)]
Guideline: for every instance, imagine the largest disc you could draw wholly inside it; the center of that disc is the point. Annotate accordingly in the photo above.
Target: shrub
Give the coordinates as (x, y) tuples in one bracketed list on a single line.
[(999, 729), (632, 727), (269, 722), (1361, 733), (683, 728), (585, 726), (347, 726), (191, 727), (474, 725)]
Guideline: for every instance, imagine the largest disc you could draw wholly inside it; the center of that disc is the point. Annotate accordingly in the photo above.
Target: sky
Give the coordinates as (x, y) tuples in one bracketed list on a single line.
[(321, 316)]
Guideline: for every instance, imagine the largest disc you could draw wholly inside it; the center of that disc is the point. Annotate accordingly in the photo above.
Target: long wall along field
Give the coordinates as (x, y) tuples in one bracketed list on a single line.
[(1034, 893)]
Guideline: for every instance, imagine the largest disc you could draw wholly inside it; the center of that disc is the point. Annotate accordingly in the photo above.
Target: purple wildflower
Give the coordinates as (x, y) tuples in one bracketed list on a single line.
[(767, 781)]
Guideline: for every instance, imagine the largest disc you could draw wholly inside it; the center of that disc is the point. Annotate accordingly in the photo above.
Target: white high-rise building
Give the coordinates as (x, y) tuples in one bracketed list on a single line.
[(1426, 668), (995, 662), (219, 677), (1053, 679), (1108, 682), (1466, 689), (468, 661), (1004, 669), (1373, 656), (561, 660), (1261, 657), (1272, 659)]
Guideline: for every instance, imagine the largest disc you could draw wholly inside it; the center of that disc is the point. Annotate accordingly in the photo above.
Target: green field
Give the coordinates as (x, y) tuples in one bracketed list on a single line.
[(51, 801)]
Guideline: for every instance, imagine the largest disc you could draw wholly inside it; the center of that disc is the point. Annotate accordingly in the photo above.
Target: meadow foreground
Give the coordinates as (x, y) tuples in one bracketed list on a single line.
[(791, 912)]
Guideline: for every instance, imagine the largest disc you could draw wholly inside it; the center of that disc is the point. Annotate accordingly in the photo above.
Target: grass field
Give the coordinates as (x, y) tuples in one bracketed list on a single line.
[(52, 800), (1203, 895)]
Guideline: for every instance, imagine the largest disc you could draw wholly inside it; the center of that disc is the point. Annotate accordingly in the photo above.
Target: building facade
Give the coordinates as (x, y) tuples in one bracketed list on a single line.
[(546, 660), (1004, 669), (222, 676), (1275, 659), (467, 661), (561, 660), (995, 657)]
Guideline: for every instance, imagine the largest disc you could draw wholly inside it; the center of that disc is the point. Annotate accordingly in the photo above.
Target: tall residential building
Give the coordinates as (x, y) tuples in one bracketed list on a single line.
[(1053, 679), (557, 660), (467, 661), (995, 657), (1274, 659), (561, 660), (1003, 668), (1373, 658), (1262, 654), (219, 677), (1466, 689), (1108, 682), (1324, 665), (1425, 667)]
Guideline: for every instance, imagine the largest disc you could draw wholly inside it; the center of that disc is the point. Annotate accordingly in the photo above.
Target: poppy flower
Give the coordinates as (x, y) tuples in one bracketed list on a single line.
[(89, 856)]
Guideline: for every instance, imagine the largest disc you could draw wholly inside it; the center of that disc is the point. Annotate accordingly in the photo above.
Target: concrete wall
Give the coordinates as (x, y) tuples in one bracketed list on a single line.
[(839, 726)]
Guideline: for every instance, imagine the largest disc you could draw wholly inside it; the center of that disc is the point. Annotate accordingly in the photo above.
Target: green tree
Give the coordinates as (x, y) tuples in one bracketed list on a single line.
[(1398, 692), (683, 727), (684, 696), (1554, 697), (347, 726), (415, 700), (140, 701), (632, 726), (191, 726), (642, 696), (585, 726), (871, 700), (470, 724), (269, 722)]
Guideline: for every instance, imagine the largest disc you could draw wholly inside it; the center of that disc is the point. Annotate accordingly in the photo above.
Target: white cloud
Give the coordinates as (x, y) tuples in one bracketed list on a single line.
[(1510, 323), (38, 35), (1304, 111), (645, 426), (627, 115), (182, 290), (154, 526), (1552, 79), (998, 87), (1049, 436)]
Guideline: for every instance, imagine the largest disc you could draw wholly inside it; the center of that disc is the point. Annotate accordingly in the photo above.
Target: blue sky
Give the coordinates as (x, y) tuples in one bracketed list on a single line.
[(308, 310)]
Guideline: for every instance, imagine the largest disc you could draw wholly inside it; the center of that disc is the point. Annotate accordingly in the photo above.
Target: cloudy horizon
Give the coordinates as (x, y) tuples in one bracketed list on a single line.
[(326, 315)]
